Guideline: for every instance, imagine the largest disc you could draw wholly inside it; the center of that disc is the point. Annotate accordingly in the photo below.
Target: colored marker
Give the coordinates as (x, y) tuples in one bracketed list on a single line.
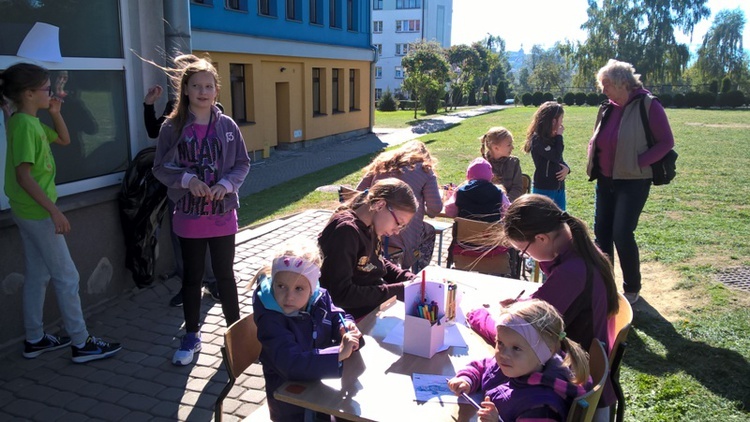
[(343, 323), (520, 294)]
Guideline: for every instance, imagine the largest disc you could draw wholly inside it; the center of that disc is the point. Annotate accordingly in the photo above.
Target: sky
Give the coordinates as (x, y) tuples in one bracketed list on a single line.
[(543, 22)]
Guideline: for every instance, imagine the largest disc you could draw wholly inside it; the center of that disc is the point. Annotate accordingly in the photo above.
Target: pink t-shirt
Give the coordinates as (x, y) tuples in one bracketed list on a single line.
[(197, 218)]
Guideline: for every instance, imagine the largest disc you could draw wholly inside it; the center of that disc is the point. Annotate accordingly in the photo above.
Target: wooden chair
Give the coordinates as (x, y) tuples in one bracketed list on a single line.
[(241, 349), (526, 180), (584, 406), (623, 321), (477, 240), (346, 193)]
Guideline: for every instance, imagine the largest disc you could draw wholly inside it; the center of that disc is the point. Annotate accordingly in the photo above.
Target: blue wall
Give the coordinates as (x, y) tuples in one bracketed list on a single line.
[(212, 15)]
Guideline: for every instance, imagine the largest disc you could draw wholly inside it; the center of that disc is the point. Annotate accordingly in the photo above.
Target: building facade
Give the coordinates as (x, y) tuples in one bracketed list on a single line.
[(398, 23), (291, 71)]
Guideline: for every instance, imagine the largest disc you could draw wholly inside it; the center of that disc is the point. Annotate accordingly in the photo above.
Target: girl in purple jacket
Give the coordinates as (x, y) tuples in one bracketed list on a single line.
[(202, 160), (302, 332), (528, 378)]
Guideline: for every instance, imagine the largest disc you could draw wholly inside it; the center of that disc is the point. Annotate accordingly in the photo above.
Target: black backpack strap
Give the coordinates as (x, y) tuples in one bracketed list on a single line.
[(645, 121)]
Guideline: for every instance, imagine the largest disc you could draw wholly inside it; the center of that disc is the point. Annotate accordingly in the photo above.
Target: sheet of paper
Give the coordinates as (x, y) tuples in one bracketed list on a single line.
[(452, 336), (432, 388)]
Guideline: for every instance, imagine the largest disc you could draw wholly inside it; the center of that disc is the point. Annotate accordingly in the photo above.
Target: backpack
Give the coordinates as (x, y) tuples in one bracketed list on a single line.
[(665, 169)]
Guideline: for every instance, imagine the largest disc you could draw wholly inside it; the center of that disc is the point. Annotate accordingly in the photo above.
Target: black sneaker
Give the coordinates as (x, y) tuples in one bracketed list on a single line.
[(48, 343), (95, 348), (212, 289), (176, 301)]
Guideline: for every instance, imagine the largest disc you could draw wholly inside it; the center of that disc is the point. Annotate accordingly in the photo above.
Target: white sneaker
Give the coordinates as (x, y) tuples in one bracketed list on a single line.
[(190, 345)]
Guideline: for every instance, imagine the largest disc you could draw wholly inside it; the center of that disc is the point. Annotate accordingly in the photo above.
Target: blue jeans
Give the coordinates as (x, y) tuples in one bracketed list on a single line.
[(619, 204), (556, 195), (46, 257)]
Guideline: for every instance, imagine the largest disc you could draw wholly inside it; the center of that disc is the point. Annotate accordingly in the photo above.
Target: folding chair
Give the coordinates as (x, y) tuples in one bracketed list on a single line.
[(241, 349), (584, 407), (476, 248), (623, 321)]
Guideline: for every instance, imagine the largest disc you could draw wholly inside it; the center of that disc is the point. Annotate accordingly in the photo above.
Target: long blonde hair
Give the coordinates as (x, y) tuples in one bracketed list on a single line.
[(494, 135), (548, 322), (406, 157)]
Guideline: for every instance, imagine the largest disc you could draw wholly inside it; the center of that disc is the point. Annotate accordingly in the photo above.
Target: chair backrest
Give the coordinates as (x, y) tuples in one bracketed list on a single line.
[(476, 238), (346, 193), (584, 406), (241, 349), (623, 320), (476, 233), (526, 180)]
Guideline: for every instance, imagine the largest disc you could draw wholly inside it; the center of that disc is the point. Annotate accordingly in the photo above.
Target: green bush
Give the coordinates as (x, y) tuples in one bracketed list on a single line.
[(666, 100), (692, 99), (406, 104), (569, 99), (431, 100), (732, 99), (602, 97), (537, 98), (548, 97), (706, 99), (387, 102), (726, 85), (592, 99), (679, 100), (527, 98), (580, 98), (473, 97)]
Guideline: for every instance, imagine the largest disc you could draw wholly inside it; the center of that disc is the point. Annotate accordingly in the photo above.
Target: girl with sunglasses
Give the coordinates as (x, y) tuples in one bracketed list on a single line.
[(353, 271)]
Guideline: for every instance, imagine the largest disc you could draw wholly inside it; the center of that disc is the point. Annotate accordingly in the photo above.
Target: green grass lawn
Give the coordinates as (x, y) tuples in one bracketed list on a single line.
[(694, 368)]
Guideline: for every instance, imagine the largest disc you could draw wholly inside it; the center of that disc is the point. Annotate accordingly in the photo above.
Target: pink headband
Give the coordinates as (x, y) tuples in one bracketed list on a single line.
[(297, 265), (529, 333)]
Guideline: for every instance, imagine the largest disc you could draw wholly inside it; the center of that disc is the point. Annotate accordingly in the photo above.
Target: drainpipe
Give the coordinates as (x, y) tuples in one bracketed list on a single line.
[(372, 68), (176, 32)]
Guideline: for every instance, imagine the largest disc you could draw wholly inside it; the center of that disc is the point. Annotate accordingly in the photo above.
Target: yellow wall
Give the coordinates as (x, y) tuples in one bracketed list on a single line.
[(264, 78)]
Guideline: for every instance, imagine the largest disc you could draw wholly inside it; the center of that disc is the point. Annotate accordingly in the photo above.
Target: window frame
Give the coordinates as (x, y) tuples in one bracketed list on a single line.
[(408, 4), (295, 9), (378, 72), (377, 27), (399, 72), (377, 4), (334, 14), (316, 12)]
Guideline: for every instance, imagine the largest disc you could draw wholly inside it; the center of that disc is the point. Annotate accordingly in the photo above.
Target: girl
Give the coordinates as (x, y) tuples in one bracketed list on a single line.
[(545, 142), (302, 332), (580, 281), (201, 158), (357, 278), (30, 186), (528, 378), (413, 164), (497, 144), (478, 198)]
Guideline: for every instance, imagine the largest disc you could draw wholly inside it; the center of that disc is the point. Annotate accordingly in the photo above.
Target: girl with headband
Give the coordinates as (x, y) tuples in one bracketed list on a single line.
[(304, 335), (528, 378)]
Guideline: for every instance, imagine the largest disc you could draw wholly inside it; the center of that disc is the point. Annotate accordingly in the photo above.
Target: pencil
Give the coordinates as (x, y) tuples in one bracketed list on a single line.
[(520, 294), (343, 323), (469, 399)]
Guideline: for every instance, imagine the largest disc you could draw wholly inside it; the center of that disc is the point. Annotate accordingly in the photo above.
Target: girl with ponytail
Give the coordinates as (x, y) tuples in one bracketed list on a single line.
[(580, 280), (528, 378)]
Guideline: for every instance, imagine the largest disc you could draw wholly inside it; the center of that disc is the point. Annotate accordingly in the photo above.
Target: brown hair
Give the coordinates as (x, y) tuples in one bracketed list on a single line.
[(407, 156), (533, 214), (493, 136), (548, 322), (187, 66), (394, 192), (541, 123), (20, 77)]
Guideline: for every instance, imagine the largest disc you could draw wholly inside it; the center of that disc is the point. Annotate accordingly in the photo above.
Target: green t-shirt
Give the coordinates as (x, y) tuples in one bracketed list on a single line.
[(28, 142)]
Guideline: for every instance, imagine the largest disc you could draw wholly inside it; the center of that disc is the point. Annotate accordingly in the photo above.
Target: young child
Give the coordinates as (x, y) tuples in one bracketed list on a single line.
[(201, 158), (580, 281), (544, 139), (528, 378), (497, 144), (299, 327), (30, 187), (413, 164), (353, 271), (478, 198)]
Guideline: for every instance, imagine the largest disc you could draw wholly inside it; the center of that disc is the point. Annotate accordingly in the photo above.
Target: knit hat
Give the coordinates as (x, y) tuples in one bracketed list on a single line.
[(479, 169), (298, 265)]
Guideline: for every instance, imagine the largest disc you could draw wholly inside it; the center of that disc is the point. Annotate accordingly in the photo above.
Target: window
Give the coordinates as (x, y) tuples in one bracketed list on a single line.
[(241, 89), (319, 89), (92, 81), (316, 11), (294, 10), (408, 4), (377, 27), (402, 49), (204, 2), (353, 89), (377, 4), (352, 15), (399, 73), (334, 14), (336, 90), (234, 5), (267, 7), (379, 48), (378, 72), (412, 25), (378, 93)]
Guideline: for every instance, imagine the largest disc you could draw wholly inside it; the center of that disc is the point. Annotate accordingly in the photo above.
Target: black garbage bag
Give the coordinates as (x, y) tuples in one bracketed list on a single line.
[(143, 203)]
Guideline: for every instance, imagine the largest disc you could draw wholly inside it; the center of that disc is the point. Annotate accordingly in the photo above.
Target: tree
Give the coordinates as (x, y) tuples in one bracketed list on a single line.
[(547, 69), (426, 71), (640, 32), (721, 53), (387, 102), (464, 62)]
